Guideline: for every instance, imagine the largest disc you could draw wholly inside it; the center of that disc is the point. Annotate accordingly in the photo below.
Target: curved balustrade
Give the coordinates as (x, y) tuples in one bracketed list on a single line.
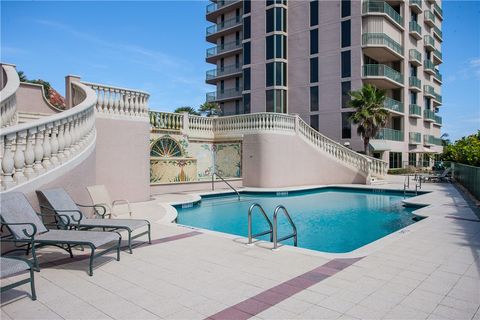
[(232, 126), (120, 101), (33, 149), (8, 104)]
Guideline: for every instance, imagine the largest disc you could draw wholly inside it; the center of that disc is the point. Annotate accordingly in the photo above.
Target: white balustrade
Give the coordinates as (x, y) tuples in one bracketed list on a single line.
[(120, 101), (231, 126), (32, 149), (8, 102)]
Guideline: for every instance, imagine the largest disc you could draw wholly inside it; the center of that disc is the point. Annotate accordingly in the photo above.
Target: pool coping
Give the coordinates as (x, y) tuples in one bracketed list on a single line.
[(425, 210)]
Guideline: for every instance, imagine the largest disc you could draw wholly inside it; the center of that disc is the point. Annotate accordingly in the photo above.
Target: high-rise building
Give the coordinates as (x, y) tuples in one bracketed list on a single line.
[(304, 57)]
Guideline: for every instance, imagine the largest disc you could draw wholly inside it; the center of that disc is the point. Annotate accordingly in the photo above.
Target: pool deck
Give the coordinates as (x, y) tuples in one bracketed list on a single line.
[(430, 270)]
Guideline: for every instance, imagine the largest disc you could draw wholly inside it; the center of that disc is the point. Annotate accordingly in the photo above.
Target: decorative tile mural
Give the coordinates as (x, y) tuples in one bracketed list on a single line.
[(228, 159)]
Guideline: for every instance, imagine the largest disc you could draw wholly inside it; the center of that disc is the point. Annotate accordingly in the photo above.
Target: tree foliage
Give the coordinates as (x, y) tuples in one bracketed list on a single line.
[(370, 115), (187, 109), (465, 150), (209, 109)]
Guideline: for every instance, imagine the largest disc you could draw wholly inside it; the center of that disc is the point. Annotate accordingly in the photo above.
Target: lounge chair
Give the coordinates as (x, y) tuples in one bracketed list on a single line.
[(27, 228), (437, 177), (12, 265), (59, 201), (100, 196)]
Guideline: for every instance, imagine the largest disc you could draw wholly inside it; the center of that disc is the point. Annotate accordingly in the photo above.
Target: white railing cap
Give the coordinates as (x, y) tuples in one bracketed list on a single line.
[(89, 101), (13, 82), (114, 87)]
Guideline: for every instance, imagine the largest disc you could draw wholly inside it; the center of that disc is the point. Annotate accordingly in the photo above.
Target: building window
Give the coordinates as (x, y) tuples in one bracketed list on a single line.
[(237, 106), (426, 103), (222, 108), (246, 53), (313, 98), (314, 121), (222, 86), (346, 66), (237, 38), (346, 125), (246, 103), (237, 83), (346, 88), (276, 100), (346, 8), (413, 70), (246, 79), (412, 159), (246, 6), (276, 74), (395, 160), (413, 97), (346, 33), (276, 46), (237, 61), (276, 19), (313, 70), (246, 27), (313, 41), (314, 13)]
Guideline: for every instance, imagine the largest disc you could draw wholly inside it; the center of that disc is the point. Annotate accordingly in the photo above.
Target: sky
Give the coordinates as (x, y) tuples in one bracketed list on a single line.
[(159, 47)]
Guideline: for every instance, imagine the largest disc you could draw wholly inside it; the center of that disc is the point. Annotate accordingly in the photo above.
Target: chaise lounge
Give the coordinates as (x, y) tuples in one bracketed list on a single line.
[(12, 265), (57, 200), (27, 229)]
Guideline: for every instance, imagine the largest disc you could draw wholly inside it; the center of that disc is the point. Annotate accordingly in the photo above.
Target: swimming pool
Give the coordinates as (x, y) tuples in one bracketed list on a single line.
[(336, 220)]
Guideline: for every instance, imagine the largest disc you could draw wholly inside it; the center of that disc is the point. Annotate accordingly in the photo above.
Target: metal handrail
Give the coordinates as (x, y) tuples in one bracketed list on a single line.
[(250, 235), (228, 184), (275, 227)]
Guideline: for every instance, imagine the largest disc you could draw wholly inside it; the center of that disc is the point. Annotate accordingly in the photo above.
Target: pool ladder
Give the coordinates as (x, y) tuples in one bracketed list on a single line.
[(406, 184), (273, 228)]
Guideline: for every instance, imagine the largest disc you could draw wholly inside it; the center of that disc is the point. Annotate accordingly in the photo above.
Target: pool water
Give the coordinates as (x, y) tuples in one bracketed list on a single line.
[(329, 219)]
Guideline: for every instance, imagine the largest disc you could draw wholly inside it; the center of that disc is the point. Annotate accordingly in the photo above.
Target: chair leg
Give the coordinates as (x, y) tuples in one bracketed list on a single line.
[(130, 241), (69, 249), (32, 284), (36, 266), (90, 266), (118, 248), (28, 249), (149, 235)]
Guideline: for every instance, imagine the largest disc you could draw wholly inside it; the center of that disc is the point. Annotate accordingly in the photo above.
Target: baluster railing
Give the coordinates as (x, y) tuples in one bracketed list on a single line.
[(8, 103)]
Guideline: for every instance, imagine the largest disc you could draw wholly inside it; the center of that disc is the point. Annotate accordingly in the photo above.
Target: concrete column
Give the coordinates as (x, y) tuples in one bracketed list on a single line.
[(68, 90)]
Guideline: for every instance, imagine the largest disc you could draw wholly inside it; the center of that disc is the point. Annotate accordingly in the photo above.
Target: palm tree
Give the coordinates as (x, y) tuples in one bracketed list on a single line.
[(22, 76), (445, 140), (370, 115), (209, 109), (188, 110)]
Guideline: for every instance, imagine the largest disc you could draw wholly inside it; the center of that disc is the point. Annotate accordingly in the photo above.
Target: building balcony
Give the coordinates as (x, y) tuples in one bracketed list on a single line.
[(415, 57), (222, 50), (393, 105), (428, 115), (438, 33), (217, 30), (382, 8), (416, 5), (415, 84), (382, 76), (437, 99), (429, 67), (389, 134), (437, 56), (438, 10), (428, 91), (214, 75), (429, 42), (429, 18), (415, 30), (381, 47), (438, 120), (227, 94), (430, 140), (415, 111), (437, 76), (214, 10), (414, 138)]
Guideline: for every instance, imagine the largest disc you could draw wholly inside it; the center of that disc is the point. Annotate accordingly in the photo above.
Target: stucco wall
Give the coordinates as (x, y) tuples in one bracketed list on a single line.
[(123, 158), (30, 98), (277, 160)]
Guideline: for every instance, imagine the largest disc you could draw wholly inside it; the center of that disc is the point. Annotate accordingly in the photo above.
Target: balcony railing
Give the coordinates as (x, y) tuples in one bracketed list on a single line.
[(429, 42), (431, 140), (389, 134), (414, 137), (224, 48), (381, 39), (393, 105), (438, 76), (429, 18), (417, 3), (428, 90), (438, 10), (220, 72), (415, 55), (235, 21), (220, 4), (413, 26), (437, 54), (415, 110), (8, 95), (428, 65), (428, 115), (381, 70), (415, 82), (437, 97), (438, 32), (438, 119), (382, 7), (225, 94)]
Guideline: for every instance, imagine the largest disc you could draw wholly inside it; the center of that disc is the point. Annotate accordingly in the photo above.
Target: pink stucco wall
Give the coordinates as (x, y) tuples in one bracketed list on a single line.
[(123, 158), (278, 160), (201, 186), (30, 99)]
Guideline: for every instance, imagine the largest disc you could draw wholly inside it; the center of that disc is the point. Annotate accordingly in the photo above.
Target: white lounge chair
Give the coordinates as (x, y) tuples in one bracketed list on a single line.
[(100, 196)]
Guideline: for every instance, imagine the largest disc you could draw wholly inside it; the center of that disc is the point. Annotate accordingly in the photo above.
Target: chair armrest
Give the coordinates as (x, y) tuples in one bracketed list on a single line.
[(30, 264), (25, 232), (122, 201), (58, 212), (96, 208), (55, 215)]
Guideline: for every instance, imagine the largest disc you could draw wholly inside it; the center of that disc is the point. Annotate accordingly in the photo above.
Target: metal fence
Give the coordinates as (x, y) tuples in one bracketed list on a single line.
[(467, 176)]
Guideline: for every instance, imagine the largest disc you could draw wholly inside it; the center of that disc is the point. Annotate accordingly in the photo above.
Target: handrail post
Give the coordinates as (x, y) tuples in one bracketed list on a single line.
[(275, 227), (213, 183), (250, 235)]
